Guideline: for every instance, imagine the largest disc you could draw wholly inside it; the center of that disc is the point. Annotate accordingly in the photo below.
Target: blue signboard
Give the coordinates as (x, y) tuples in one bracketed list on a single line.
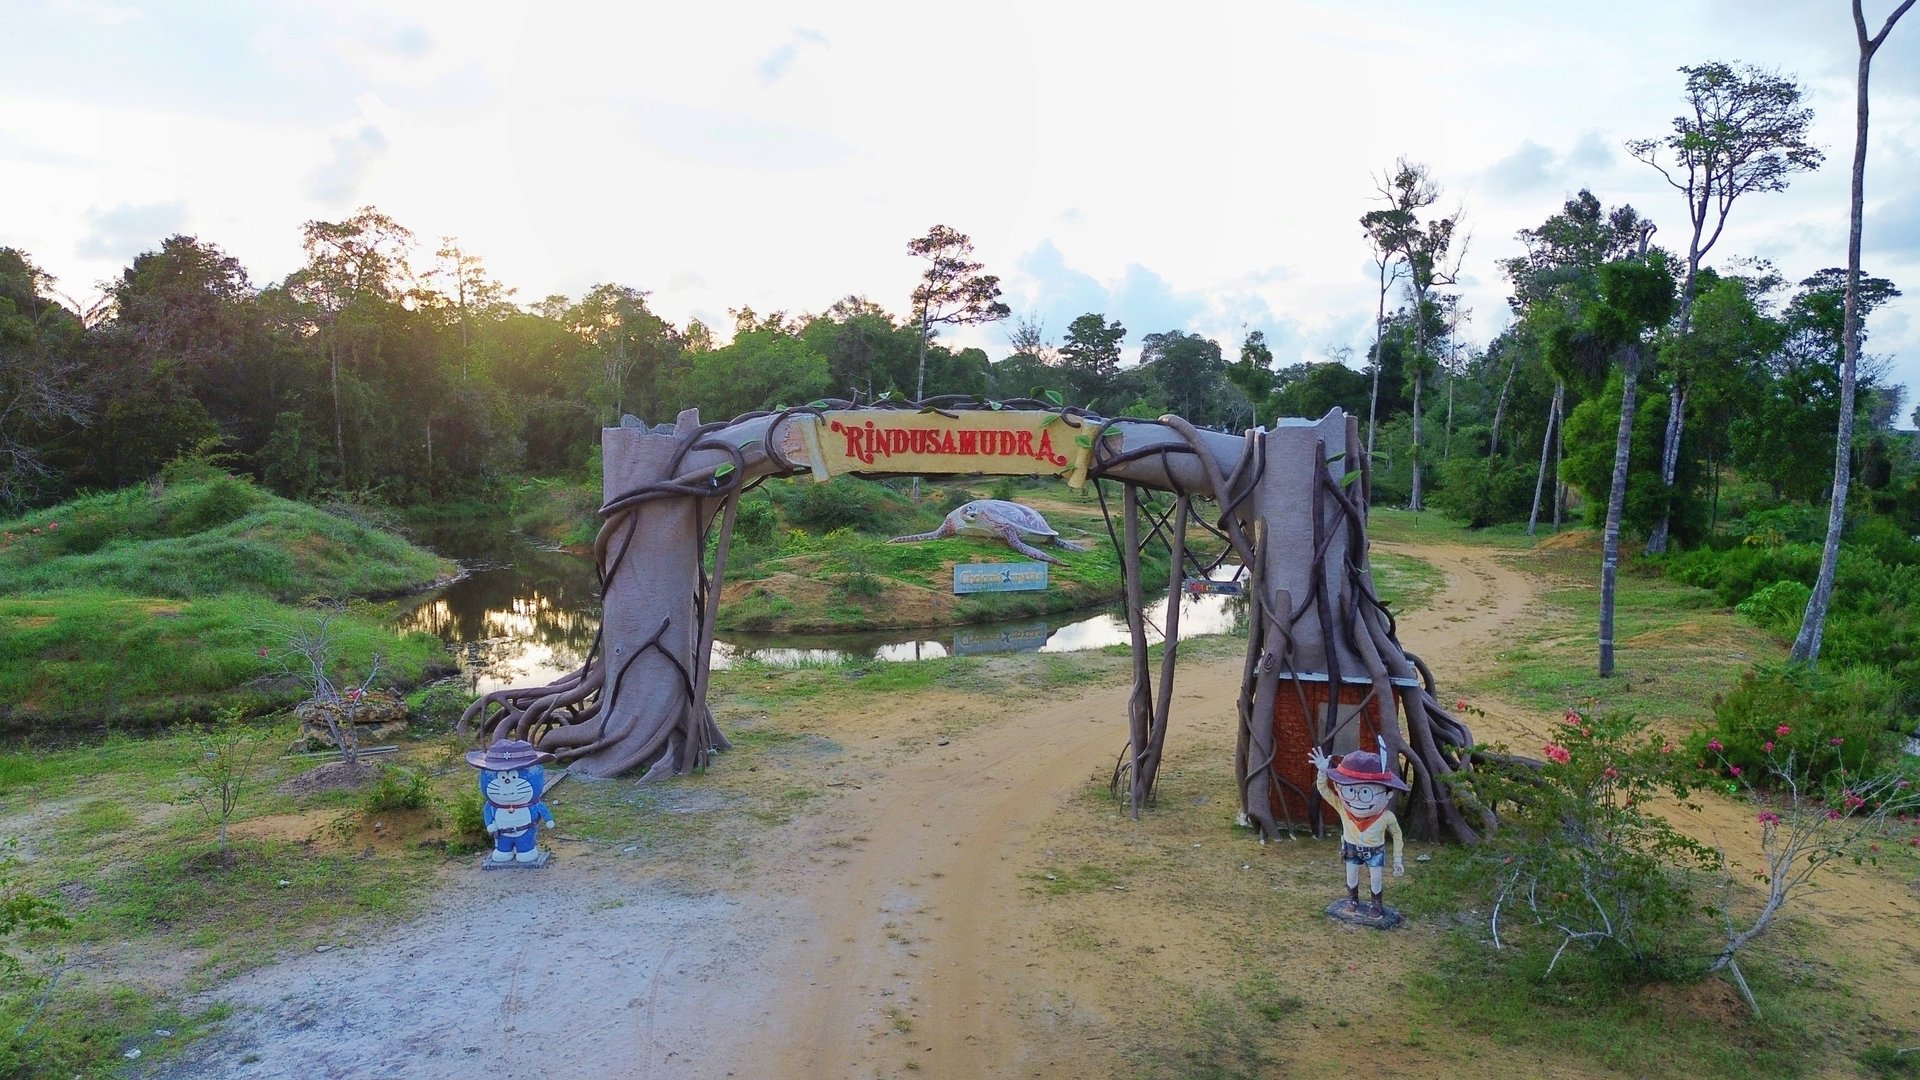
[(999, 577)]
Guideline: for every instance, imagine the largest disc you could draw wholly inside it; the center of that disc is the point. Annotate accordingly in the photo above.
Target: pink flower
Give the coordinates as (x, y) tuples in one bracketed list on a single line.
[(1461, 704), (1733, 770), (1833, 815), (52, 525), (1611, 773), (1667, 748), (1916, 841), (263, 652), (1714, 745), (1836, 741), (1556, 753), (1767, 746), (1783, 731), (1768, 817), (1904, 784)]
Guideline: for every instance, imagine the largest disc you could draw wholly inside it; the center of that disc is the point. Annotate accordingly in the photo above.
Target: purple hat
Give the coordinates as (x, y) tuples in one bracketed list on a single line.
[(508, 754), (1363, 767)]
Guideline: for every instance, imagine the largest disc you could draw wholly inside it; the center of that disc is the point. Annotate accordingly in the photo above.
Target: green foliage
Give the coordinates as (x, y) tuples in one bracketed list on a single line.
[(467, 809), (395, 787), (847, 503), (1777, 608), (1829, 719), (756, 520), (1581, 861), (1482, 493), (439, 706)]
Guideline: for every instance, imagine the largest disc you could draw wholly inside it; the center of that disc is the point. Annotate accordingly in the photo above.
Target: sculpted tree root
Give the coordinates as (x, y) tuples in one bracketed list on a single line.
[(1312, 613)]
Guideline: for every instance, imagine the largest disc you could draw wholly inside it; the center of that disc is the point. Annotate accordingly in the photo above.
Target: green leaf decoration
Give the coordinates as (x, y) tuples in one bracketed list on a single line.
[(1112, 433), (1055, 397), (1350, 478), (817, 403), (996, 406), (722, 469), (1084, 440), (750, 444), (1336, 457)]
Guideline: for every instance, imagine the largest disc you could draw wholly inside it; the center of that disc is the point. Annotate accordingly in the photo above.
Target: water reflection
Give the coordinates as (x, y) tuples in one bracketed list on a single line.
[(526, 616)]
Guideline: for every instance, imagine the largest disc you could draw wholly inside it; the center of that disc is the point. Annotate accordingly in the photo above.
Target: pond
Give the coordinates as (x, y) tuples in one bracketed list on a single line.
[(526, 615)]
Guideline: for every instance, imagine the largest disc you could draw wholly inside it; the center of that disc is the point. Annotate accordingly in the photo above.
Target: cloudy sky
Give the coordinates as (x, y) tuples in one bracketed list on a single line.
[(1197, 166)]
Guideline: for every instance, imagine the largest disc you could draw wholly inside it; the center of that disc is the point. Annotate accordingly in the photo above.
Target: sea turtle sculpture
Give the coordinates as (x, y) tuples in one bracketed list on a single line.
[(1009, 521)]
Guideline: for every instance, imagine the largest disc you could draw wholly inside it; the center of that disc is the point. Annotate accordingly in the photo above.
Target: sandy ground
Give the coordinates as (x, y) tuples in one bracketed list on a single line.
[(893, 928)]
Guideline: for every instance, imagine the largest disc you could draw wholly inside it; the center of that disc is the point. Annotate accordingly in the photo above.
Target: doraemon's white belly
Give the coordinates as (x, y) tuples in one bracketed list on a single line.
[(514, 818)]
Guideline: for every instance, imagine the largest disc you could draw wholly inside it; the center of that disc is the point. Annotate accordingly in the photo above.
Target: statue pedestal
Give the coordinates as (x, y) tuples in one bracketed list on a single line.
[(487, 861), (1361, 914)]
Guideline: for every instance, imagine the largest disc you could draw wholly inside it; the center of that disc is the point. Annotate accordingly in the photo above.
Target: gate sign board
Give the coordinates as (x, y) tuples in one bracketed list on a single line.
[(1009, 442), (999, 577)]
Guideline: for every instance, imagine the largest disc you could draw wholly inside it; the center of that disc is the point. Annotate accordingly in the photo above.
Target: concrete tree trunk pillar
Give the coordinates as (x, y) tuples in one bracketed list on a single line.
[(649, 627)]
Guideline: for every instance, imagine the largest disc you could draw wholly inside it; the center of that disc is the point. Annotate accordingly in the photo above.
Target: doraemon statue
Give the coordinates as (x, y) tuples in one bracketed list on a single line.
[(511, 782)]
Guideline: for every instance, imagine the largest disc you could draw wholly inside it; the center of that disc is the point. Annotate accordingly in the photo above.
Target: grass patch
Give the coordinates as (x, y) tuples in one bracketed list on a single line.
[(1676, 647), (94, 658)]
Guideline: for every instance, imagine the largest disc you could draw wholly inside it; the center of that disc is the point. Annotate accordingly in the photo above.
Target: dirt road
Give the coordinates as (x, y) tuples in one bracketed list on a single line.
[(888, 929)]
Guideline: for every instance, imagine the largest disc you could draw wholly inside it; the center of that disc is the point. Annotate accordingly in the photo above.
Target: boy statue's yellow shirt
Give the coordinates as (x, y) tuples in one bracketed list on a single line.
[(1367, 832)]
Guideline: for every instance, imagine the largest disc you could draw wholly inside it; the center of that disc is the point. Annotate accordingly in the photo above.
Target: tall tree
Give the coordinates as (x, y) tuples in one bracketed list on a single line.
[(1553, 279), (40, 389), (952, 290), (1633, 297), (353, 267), (1425, 249), (1813, 624), (1745, 131), (1391, 269), (1091, 353), (1253, 372)]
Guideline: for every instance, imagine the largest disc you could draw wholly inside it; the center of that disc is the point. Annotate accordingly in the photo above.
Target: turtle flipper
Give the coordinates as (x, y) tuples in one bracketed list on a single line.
[(1071, 545), (917, 537), (1012, 536)]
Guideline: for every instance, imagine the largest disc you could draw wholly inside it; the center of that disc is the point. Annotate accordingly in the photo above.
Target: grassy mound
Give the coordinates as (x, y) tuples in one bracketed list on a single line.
[(139, 608), (200, 539)]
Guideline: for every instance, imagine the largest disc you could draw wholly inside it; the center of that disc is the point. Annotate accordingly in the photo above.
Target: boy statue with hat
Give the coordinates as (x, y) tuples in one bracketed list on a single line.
[(1360, 789), (512, 782)]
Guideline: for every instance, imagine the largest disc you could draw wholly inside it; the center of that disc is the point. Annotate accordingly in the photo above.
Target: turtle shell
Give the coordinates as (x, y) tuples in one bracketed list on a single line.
[(989, 514)]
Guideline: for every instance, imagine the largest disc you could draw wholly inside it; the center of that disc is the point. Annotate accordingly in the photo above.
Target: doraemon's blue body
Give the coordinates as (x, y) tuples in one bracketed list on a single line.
[(513, 810)]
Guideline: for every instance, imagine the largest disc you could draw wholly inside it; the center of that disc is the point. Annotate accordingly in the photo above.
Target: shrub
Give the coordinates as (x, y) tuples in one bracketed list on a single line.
[(1827, 719), (1578, 859), (208, 505), (756, 521), (468, 812), (397, 788), (848, 503), (1777, 608)]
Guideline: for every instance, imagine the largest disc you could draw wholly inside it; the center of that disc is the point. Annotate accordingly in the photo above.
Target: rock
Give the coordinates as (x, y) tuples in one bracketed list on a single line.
[(378, 717)]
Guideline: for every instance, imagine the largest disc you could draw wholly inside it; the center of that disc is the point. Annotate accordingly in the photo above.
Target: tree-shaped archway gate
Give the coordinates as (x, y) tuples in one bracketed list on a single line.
[(1324, 665)]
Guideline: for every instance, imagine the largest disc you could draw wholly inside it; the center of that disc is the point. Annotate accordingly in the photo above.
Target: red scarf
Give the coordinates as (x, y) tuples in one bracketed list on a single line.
[(1362, 824)]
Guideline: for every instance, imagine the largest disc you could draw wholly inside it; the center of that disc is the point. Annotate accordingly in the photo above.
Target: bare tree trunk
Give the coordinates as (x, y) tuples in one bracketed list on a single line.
[(1546, 444), (339, 430), (1616, 502), (1559, 456), (1413, 501), (1379, 336), (1813, 625), (1499, 409), (1669, 464)]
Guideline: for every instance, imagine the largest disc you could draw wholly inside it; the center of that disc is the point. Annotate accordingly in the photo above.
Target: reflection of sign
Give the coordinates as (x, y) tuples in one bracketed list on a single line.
[(1206, 587), (1008, 442), (1024, 638), (999, 577)]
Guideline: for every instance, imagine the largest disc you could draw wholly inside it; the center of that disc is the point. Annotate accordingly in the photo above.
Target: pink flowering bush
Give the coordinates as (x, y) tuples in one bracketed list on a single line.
[(1580, 863)]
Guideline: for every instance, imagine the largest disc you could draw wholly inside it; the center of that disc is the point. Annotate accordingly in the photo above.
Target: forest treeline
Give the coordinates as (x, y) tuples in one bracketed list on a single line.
[(363, 373)]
